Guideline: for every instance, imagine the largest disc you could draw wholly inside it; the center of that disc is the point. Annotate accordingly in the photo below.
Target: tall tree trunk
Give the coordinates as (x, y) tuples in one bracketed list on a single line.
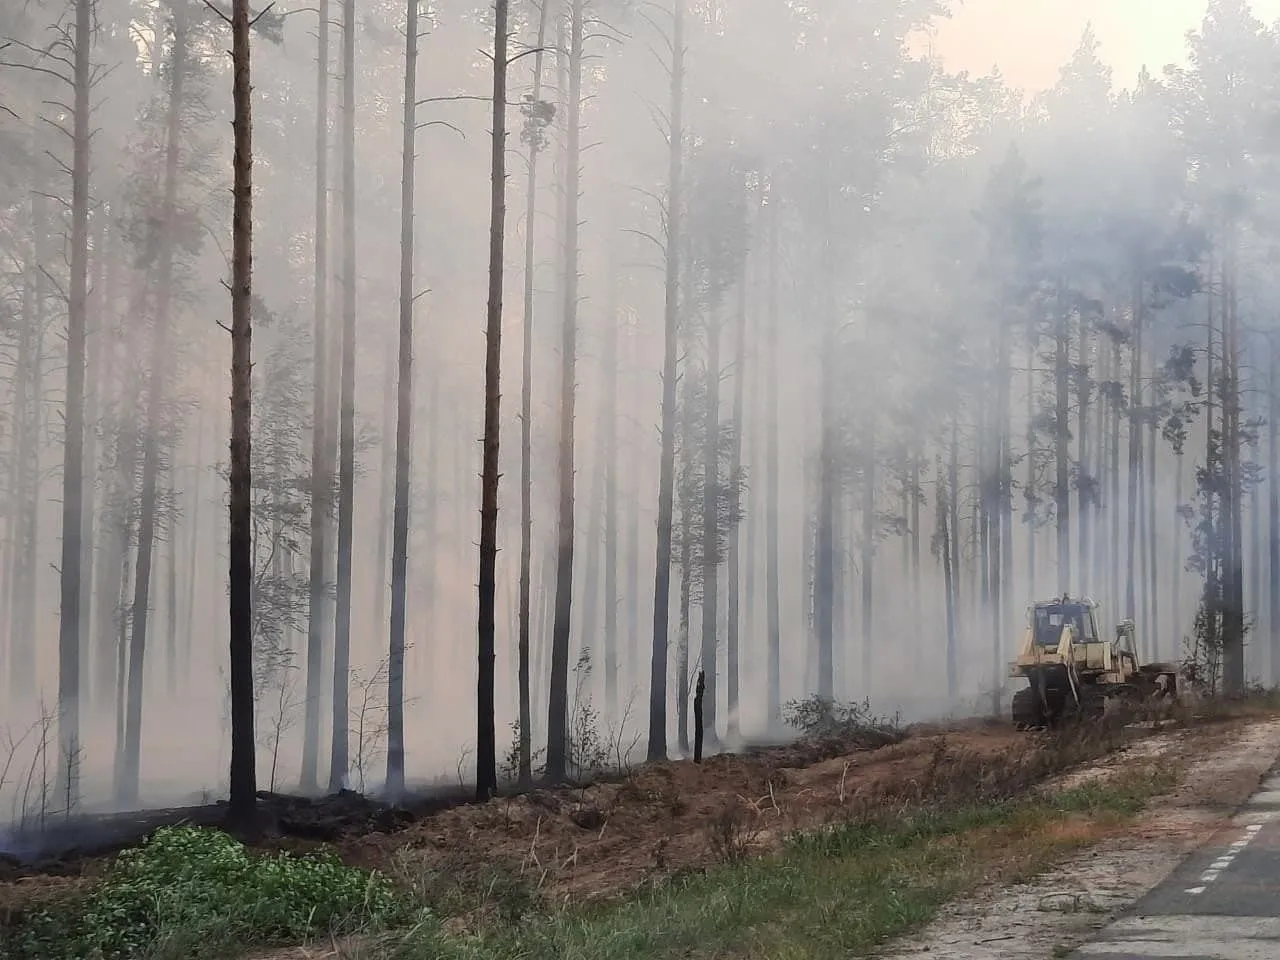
[(589, 603), (339, 752), (868, 559), (243, 776), (1158, 647), (486, 738), (127, 787), (386, 487), (404, 417), (1061, 456), (1029, 490), (321, 463), (1233, 625), (1273, 509), (657, 745), (1002, 505), (1085, 471), (773, 611), (1115, 406), (69, 635), (558, 705), (825, 546), (638, 461), (26, 466), (712, 497), (96, 337), (943, 522), (1135, 447), (735, 510), (535, 143), (609, 414)]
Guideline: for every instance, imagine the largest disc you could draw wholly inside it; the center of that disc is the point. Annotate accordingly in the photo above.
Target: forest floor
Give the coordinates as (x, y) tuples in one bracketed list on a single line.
[(824, 848)]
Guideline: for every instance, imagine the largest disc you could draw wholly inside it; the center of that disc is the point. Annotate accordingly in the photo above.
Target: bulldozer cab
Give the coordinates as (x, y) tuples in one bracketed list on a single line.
[(1048, 619)]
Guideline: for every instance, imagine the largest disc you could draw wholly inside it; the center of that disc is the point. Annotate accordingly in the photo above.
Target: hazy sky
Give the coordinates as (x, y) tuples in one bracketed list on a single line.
[(1031, 39)]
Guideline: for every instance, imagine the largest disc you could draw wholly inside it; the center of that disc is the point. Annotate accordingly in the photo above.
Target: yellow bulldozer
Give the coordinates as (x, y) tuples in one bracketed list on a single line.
[(1073, 672)]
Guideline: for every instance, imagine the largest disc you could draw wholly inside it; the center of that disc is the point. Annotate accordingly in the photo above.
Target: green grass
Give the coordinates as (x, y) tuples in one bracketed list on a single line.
[(830, 894)]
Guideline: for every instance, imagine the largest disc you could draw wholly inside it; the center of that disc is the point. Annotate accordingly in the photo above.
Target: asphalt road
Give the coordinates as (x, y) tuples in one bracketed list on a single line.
[(1221, 903)]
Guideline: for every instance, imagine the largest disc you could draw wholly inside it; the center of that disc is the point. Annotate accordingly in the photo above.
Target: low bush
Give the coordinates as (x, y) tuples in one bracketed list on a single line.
[(195, 893)]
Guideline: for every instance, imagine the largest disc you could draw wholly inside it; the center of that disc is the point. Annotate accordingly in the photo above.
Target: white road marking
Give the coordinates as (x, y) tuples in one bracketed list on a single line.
[(1223, 862)]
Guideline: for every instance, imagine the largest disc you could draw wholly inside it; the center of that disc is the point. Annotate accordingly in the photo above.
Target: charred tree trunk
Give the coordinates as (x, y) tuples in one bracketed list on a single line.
[(243, 803), (404, 418), (657, 745), (338, 753), (534, 139), (69, 636), (321, 463), (558, 705), (486, 740)]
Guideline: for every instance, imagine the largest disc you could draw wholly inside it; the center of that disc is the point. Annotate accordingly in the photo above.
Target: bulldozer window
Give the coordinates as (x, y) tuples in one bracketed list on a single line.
[(1050, 620)]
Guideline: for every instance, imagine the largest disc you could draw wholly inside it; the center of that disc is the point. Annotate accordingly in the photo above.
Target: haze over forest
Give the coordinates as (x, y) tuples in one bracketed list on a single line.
[(945, 341)]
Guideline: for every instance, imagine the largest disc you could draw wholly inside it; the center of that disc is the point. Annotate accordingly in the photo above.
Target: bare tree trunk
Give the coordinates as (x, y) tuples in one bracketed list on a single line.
[(321, 464), (535, 143), (243, 805), (1085, 471), (1114, 506), (712, 496), (1061, 437), (171, 594), (657, 746), (1273, 512), (1135, 446), (868, 559), (404, 418), (638, 459), (127, 787), (948, 584), (486, 744), (609, 414), (773, 605), (26, 584), (558, 699), (386, 490), (69, 636), (1030, 488), (735, 480), (338, 753), (1157, 644), (95, 343)]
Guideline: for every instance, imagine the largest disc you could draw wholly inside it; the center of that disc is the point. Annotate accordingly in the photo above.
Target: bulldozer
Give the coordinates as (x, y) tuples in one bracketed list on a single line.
[(1072, 672)]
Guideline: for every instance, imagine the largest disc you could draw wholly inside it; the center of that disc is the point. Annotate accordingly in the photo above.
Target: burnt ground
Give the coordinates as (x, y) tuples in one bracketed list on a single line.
[(601, 840)]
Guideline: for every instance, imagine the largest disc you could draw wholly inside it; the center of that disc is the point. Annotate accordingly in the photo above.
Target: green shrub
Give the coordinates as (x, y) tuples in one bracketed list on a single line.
[(189, 892)]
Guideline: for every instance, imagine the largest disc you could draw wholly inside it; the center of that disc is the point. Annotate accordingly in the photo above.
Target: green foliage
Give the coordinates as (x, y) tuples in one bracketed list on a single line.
[(193, 893), (822, 718)]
